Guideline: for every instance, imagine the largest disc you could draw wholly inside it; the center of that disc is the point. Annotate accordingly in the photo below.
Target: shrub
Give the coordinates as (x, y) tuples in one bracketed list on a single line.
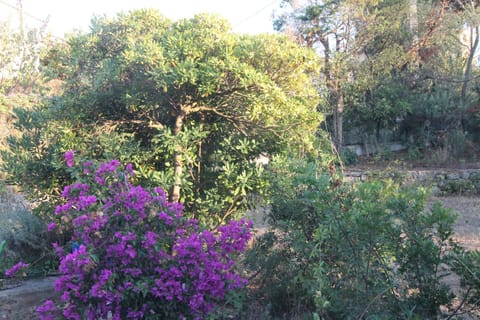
[(349, 157), (24, 233), (467, 266), (133, 255), (352, 251)]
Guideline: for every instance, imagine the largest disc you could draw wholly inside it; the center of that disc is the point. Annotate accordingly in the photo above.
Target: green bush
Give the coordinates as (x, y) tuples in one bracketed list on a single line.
[(349, 157), (351, 251), (23, 232), (414, 153), (460, 186), (467, 266)]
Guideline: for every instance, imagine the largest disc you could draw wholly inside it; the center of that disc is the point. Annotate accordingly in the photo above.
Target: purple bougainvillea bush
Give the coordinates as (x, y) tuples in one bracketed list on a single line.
[(132, 254)]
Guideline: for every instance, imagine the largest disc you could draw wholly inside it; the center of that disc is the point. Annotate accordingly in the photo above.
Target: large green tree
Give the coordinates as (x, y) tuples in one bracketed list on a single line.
[(360, 43), (385, 59), (325, 26), (190, 103)]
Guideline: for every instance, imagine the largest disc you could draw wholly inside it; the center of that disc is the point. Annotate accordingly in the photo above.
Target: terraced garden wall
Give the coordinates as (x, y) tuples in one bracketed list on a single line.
[(442, 181)]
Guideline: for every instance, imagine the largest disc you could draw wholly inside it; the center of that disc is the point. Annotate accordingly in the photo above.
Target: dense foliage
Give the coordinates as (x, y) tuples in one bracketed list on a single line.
[(395, 70), (366, 251), (23, 236), (194, 107), (133, 256), (189, 103), (21, 48)]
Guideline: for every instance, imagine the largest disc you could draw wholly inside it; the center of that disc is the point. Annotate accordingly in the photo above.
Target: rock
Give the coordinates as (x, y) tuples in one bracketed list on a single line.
[(453, 176), (465, 174), (475, 175), (436, 191)]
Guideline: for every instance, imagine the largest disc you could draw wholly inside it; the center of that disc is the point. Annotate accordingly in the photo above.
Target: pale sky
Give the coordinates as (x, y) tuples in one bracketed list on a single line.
[(246, 16)]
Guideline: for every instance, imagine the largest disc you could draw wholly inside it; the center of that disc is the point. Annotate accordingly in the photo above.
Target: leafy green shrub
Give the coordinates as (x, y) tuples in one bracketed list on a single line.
[(414, 153), (349, 157), (459, 186), (23, 232), (467, 266), (352, 251)]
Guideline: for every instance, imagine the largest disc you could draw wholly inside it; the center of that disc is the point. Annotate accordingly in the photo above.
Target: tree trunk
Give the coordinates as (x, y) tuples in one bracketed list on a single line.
[(338, 120), (468, 68), (198, 178), (337, 102), (177, 161)]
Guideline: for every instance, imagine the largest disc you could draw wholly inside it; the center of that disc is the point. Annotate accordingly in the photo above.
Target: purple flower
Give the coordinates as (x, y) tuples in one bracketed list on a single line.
[(150, 239), (88, 167), (51, 226), (70, 313), (13, 270), (69, 158), (86, 201), (132, 240), (47, 311), (166, 218), (105, 275), (129, 169), (58, 249), (80, 220)]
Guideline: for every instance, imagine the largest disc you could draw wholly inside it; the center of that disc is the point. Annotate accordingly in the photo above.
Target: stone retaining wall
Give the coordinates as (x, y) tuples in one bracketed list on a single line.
[(442, 182)]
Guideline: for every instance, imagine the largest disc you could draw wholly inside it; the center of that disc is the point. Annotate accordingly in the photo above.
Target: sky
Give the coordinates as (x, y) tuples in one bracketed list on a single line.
[(246, 16)]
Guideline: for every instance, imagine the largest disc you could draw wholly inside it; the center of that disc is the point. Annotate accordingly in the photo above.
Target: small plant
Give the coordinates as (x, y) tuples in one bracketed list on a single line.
[(460, 186), (14, 271), (133, 256), (2, 247), (349, 157), (414, 153), (456, 142), (384, 154)]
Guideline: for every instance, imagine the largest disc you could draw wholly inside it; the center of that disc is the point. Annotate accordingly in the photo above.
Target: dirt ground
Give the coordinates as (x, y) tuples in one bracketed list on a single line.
[(467, 226), (467, 233), (21, 302)]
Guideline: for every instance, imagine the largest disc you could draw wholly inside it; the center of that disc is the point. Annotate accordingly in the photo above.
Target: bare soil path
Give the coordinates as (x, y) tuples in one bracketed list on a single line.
[(467, 226)]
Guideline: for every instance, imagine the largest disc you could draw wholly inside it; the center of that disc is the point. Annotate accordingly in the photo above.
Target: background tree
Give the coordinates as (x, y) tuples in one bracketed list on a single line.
[(20, 82), (442, 79), (361, 42), (324, 25), (387, 63), (191, 104)]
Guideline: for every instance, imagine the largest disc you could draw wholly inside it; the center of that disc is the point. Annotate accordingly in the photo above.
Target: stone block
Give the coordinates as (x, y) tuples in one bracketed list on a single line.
[(453, 176)]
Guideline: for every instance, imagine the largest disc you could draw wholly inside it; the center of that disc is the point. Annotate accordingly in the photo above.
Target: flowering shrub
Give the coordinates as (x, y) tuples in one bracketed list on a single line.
[(134, 256), (15, 269)]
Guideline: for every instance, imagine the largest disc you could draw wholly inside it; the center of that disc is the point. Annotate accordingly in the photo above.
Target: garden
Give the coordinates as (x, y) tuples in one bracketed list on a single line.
[(157, 169)]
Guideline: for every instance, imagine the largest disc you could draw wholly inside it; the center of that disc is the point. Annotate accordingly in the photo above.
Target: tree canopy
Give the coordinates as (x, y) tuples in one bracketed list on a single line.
[(389, 64), (190, 103)]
